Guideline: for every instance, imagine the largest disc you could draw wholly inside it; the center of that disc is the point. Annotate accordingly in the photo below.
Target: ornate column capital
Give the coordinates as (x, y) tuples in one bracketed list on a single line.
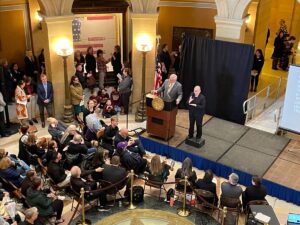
[(144, 6), (56, 7)]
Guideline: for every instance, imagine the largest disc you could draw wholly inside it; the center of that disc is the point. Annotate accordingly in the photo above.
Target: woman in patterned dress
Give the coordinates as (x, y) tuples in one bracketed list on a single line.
[(21, 101)]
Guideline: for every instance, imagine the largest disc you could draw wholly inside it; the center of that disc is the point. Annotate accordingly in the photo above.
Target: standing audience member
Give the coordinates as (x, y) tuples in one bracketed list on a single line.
[(30, 90), (80, 75), (177, 61), (21, 101), (132, 144), (42, 63), (230, 188), (288, 50), (282, 28), (101, 66), (258, 64), (186, 170), (45, 98), (207, 184), (125, 85), (79, 58), (116, 60), (22, 143), (2, 121), (90, 60), (10, 82), (31, 67), (165, 61), (16, 73), (278, 50), (77, 97), (255, 192), (47, 205)]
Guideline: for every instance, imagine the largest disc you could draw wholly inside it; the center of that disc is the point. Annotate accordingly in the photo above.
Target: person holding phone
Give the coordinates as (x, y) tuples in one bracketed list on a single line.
[(196, 105)]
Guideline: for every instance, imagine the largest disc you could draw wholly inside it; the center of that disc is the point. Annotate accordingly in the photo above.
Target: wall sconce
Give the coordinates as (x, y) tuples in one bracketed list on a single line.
[(143, 45), (63, 48), (39, 18)]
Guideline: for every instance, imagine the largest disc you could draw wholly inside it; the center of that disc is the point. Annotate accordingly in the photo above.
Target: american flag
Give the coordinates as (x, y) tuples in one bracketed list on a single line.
[(76, 24)]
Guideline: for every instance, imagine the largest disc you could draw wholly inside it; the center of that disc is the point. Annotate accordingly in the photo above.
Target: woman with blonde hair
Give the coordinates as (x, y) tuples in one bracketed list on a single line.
[(158, 171), (68, 135)]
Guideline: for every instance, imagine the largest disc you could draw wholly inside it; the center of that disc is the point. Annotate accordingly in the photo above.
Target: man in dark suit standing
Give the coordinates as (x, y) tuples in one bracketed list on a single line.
[(196, 105), (171, 89), (45, 98)]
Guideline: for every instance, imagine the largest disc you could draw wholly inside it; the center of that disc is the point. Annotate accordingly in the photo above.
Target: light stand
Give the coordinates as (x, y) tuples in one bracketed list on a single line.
[(143, 45), (64, 50), (140, 115)]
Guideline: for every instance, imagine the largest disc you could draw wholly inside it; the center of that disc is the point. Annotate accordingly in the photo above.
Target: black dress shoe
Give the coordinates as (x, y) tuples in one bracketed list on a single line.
[(35, 120), (43, 124), (30, 123)]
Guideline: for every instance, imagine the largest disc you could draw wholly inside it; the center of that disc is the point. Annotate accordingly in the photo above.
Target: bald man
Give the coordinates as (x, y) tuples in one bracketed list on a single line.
[(171, 89), (196, 105), (134, 145)]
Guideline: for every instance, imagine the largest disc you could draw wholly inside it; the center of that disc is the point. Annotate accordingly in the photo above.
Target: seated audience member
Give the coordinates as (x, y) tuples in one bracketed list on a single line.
[(68, 135), (95, 97), (133, 145), (27, 182), (52, 147), (22, 143), (255, 192), (77, 183), (32, 146), (31, 217), (207, 184), (158, 171), (108, 110), (90, 108), (98, 160), (131, 160), (20, 165), (115, 99), (56, 128), (113, 173), (186, 170), (9, 172), (104, 96), (47, 204), (93, 125), (230, 188), (58, 174), (5, 218), (109, 134), (77, 146)]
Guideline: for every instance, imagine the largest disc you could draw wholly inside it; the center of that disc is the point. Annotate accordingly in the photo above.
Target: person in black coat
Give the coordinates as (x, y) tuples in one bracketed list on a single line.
[(116, 60), (109, 134), (90, 60), (113, 173), (255, 192), (77, 183), (31, 66), (10, 83), (131, 160), (186, 170), (57, 173), (80, 75), (207, 185), (278, 50), (165, 60), (258, 64), (196, 105), (132, 144)]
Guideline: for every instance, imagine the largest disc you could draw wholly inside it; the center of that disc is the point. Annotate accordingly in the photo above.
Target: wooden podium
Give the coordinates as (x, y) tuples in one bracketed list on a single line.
[(161, 123)]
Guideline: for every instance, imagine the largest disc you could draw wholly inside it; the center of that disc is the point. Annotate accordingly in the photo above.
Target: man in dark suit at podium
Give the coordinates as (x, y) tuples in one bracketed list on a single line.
[(196, 105), (171, 89)]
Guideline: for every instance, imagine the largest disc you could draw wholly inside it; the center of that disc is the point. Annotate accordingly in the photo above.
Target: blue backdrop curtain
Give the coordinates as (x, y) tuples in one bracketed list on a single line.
[(223, 71)]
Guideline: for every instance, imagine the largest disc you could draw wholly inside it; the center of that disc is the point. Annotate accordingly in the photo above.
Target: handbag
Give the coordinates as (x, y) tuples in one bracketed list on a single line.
[(90, 82), (254, 73)]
